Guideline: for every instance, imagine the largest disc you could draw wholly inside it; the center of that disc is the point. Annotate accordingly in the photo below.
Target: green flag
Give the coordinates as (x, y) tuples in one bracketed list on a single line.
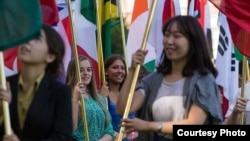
[(238, 55), (20, 21), (107, 12)]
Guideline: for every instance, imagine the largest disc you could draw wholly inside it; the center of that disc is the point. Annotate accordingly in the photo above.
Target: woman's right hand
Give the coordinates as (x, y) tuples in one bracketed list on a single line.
[(79, 90), (11, 137), (138, 58), (5, 94), (240, 105)]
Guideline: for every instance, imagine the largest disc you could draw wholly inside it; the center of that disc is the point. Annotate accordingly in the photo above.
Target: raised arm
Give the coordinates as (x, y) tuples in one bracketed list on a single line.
[(138, 98)]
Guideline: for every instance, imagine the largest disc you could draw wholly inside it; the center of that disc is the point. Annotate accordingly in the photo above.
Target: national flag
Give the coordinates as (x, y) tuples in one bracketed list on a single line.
[(85, 33), (108, 12), (127, 9), (226, 64), (11, 64), (201, 11), (194, 8), (164, 10), (63, 28), (14, 31), (49, 12), (238, 16), (136, 33), (138, 25), (207, 26)]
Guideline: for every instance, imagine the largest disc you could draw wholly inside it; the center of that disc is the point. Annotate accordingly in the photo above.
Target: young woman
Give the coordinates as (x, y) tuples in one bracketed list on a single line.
[(182, 90), (115, 71), (40, 106), (98, 118)]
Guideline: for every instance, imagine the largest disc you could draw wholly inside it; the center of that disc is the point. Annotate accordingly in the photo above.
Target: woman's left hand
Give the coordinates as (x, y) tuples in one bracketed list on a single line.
[(134, 124)]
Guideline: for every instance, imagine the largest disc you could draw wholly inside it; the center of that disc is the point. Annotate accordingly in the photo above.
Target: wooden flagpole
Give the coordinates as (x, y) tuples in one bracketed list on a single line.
[(136, 73), (123, 31), (74, 47), (5, 104)]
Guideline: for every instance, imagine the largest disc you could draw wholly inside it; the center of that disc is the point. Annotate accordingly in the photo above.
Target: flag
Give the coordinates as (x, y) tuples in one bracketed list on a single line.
[(85, 34), (11, 64), (207, 26), (49, 12), (108, 12), (238, 16), (201, 11), (20, 22), (226, 64), (136, 33), (138, 25), (194, 9), (63, 28), (166, 10)]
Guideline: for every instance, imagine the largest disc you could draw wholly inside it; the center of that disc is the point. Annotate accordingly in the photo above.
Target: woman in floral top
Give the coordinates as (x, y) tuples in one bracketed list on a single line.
[(98, 118)]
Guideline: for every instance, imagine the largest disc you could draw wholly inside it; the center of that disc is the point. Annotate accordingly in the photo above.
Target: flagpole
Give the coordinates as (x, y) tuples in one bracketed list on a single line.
[(123, 31), (5, 104), (247, 71), (74, 46), (136, 73), (99, 47), (99, 43), (243, 83)]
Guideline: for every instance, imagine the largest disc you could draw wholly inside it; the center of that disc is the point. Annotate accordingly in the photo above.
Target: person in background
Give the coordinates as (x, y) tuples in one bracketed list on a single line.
[(39, 105), (182, 90), (97, 116), (239, 104), (115, 72)]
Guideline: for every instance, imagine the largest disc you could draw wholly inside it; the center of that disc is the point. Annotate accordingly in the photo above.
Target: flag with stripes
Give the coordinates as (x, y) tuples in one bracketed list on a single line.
[(138, 25), (85, 33)]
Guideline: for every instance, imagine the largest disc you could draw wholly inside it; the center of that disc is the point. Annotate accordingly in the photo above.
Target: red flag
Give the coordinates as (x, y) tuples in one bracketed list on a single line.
[(12, 64), (49, 12), (168, 10), (238, 14)]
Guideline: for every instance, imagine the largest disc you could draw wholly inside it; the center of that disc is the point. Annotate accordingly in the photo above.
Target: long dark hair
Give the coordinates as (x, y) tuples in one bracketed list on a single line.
[(198, 56)]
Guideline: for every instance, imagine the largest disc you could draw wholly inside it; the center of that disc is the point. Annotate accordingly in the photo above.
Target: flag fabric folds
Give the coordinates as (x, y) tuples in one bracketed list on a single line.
[(20, 22), (226, 64), (11, 64), (108, 12), (49, 12), (164, 10), (85, 34), (238, 16), (136, 33), (201, 11)]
